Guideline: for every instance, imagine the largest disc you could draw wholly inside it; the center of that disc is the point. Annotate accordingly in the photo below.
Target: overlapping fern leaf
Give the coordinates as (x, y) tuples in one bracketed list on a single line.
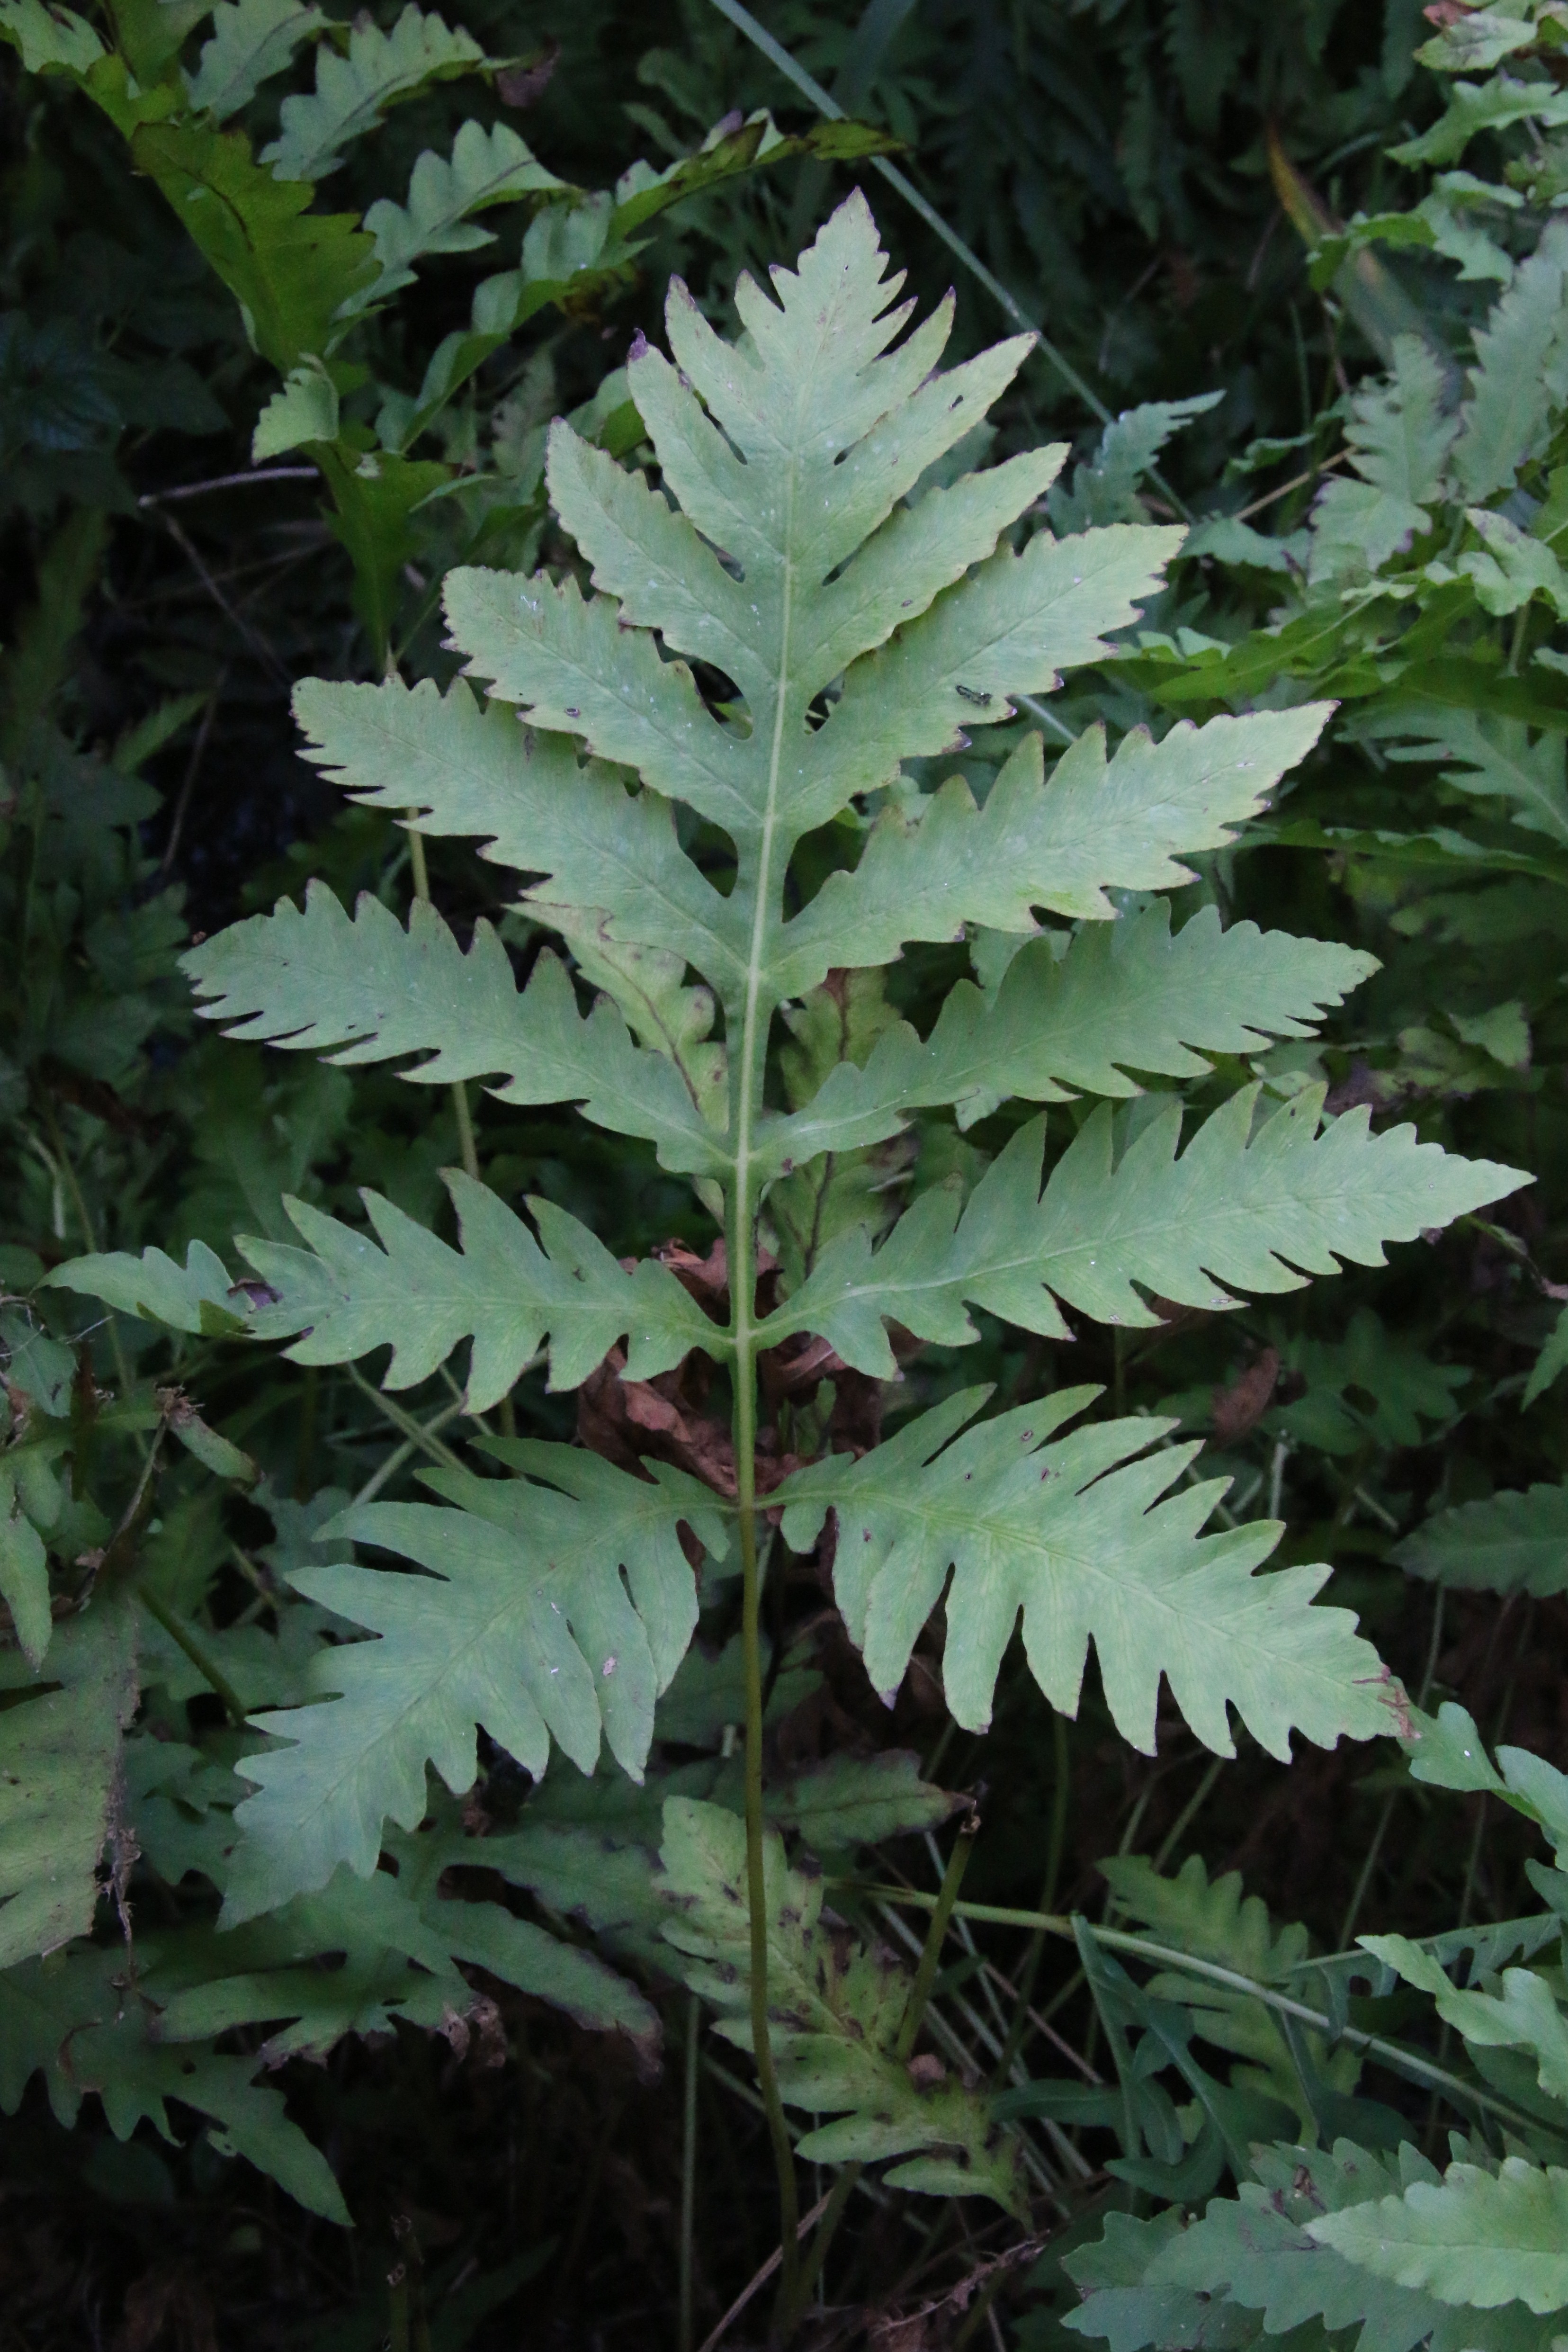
[(758, 640)]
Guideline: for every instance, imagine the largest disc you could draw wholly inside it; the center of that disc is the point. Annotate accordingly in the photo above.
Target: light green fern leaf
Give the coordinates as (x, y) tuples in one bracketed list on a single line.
[(1550, 1365), (795, 469), (49, 39), (376, 992), (501, 1289), (353, 91), (1238, 1208), (59, 1766), (1475, 2238), (1478, 106), (251, 40), (835, 2017), (1495, 758), (1522, 2013), (1072, 1536), (469, 770), (1510, 1543), (71, 2022), (1122, 996), (1400, 436), (196, 1296), (1261, 2252), (1520, 375), (487, 167), (1096, 826), (535, 1636)]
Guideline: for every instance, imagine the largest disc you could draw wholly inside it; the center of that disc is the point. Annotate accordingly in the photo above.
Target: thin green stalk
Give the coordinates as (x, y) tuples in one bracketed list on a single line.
[(417, 1433), (1188, 1814), (1401, 2061), (936, 1935), (742, 1248), (848, 2180), (212, 1673), (774, 51), (410, 1446), (748, 1016), (689, 2172)]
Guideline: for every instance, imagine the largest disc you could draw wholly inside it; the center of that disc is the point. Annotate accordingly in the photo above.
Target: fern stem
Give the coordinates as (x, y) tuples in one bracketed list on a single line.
[(741, 1244), (468, 1150), (756, 1876)]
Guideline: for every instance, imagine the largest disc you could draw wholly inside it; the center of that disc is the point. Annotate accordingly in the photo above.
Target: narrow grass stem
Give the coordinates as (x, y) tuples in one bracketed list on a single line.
[(212, 1673), (420, 1434), (936, 1935), (809, 87), (1400, 2061)]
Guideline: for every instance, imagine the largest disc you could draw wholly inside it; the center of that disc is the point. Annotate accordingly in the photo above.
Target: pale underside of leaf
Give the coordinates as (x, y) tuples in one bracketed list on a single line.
[(1073, 1535), (501, 1289), (1253, 1211), (316, 979), (1124, 996), (522, 1625)]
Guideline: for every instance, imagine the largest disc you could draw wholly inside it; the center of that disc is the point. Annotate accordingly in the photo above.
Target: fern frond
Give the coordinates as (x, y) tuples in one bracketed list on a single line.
[(1510, 1543), (834, 2018), (1095, 825), (1213, 1920), (501, 1289), (466, 769), (1475, 2238), (1495, 758), (1275, 2250), (398, 1941), (1522, 2013), (59, 1773), (487, 167), (1074, 1538), (1258, 1211), (71, 2022), (1124, 996), (1522, 370), (376, 992), (353, 91), (535, 1636), (251, 40)]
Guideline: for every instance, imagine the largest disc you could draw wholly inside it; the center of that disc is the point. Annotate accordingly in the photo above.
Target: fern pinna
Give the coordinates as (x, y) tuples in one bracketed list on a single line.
[(771, 633)]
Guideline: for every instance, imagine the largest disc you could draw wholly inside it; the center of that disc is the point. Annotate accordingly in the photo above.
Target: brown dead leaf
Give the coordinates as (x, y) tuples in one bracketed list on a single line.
[(1248, 1399)]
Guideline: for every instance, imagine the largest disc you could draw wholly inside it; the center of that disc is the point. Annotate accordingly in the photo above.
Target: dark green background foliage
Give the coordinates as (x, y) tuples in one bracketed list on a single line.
[(487, 2057)]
